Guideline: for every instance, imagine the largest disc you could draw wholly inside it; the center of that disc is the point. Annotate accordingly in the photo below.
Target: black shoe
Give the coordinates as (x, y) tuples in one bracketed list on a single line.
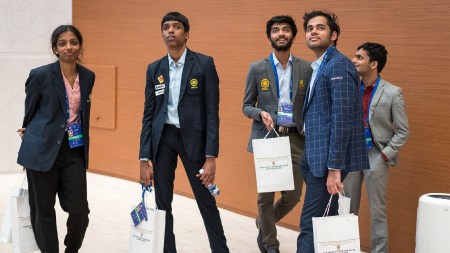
[(259, 239)]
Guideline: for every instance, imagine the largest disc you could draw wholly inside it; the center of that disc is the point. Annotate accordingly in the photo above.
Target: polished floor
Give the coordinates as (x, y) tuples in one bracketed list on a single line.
[(110, 202)]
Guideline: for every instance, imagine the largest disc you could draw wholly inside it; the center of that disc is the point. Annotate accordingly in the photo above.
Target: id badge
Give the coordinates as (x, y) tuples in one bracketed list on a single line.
[(284, 116), (75, 134), (368, 136)]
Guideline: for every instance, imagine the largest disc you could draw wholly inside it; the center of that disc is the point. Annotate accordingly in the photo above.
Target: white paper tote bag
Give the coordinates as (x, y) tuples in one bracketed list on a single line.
[(335, 234), (148, 236), (22, 232), (273, 164), (5, 233)]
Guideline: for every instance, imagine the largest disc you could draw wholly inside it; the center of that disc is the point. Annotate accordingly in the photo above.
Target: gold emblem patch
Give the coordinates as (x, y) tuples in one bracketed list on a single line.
[(265, 84), (161, 79), (194, 83)]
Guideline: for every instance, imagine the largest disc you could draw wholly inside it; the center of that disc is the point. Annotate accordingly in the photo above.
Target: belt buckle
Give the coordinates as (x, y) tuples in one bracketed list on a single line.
[(283, 129)]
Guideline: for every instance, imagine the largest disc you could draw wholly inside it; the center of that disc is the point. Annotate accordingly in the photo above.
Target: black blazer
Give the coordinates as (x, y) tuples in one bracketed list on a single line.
[(46, 117), (198, 107)]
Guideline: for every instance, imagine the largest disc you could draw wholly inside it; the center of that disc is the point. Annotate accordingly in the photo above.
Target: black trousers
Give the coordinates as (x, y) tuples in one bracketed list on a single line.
[(67, 177), (170, 147)]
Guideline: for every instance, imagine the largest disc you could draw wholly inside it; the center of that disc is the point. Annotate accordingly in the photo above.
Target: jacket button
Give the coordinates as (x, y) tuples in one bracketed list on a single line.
[(59, 142), (63, 125)]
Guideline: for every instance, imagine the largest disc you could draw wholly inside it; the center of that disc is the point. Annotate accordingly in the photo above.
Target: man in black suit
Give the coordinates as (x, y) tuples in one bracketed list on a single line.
[(181, 118)]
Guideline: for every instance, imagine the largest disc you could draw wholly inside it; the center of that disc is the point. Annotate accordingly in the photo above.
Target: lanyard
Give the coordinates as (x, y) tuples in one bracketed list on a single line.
[(371, 96), (276, 77), (322, 63)]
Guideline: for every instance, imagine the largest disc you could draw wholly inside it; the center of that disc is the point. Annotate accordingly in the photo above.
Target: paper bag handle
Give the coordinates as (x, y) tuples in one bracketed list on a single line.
[(327, 209), (271, 131)]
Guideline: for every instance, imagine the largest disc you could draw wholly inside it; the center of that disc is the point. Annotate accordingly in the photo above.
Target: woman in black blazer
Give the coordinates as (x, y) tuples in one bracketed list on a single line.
[(55, 141)]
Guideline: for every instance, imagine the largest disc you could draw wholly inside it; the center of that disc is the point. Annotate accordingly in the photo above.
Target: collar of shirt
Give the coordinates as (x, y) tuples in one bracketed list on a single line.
[(180, 61), (277, 63), (284, 77)]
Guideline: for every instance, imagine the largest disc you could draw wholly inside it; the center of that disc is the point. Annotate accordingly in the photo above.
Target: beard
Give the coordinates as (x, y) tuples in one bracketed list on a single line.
[(285, 47)]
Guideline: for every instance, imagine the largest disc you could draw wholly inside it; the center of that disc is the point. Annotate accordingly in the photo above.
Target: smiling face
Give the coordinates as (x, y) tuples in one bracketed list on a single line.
[(281, 36), (318, 35), (68, 47), (174, 35)]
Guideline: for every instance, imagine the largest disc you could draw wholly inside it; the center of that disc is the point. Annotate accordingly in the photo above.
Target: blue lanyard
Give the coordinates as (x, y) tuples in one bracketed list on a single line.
[(371, 96), (276, 77), (322, 63), (67, 106)]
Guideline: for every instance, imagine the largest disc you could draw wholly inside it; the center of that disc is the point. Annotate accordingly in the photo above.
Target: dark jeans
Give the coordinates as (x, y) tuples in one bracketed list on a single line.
[(67, 177), (170, 147), (316, 200)]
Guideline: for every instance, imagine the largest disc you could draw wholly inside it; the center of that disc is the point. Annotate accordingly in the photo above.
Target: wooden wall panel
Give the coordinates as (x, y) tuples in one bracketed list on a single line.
[(103, 113), (127, 34)]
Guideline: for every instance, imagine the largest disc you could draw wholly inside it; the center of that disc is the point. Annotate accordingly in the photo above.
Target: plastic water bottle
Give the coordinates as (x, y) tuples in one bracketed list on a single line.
[(213, 189)]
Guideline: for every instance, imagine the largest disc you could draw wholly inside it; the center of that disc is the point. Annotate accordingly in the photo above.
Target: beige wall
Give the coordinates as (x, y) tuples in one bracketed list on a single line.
[(125, 36)]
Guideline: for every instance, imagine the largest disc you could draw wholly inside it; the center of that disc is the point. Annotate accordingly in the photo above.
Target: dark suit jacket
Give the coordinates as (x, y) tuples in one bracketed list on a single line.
[(46, 117), (198, 107), (334, 130), (257, 97)]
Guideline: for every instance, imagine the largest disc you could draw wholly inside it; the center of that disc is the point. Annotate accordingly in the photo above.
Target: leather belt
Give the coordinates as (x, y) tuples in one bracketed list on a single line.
[(286, 130)]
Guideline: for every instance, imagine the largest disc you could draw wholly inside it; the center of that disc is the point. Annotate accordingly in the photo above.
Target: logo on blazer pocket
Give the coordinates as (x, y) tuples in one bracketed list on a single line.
[(194, 83), (265, 84)]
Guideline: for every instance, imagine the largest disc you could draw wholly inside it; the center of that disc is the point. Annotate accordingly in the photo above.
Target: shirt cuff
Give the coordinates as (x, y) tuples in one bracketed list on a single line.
[(144, 159), (333, 169), (386, 159)]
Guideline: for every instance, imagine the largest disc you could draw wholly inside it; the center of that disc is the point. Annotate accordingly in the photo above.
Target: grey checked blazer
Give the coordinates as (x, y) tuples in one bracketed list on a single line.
[(258, 96), (388, 120)]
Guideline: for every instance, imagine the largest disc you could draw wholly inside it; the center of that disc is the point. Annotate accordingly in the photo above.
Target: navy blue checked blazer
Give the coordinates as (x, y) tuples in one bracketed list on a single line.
[(333, 116)]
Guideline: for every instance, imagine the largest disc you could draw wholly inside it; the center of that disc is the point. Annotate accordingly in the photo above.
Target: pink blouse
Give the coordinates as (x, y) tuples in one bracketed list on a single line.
[(74, 97)]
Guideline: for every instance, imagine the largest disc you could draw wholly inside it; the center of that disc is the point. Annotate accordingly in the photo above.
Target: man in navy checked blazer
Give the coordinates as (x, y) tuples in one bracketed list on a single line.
[(334, 130)]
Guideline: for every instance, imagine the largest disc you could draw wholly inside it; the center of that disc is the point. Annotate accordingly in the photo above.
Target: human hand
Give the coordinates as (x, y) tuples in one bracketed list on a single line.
[(267, 120), (334, 183), (146, 173), (209, 171)]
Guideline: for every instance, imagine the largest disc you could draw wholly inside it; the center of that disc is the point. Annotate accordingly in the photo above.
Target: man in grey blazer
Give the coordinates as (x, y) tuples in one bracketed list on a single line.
[(277, 84), (386, 131)]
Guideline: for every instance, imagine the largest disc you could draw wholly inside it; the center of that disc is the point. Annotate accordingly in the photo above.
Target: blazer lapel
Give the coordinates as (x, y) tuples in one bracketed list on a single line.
[(60, 88), (295, 78), (83, 88), (271, 77), (164, 71), (376, 97), (188, 64)]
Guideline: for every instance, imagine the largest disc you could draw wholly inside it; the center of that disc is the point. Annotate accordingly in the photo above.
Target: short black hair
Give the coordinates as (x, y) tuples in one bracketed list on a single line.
[(376, 52), (332, 21), (62, 29), (281, 19), (176, 16)]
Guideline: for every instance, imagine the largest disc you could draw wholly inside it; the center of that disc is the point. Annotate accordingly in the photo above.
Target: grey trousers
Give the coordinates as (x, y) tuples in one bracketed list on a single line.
[(376, 183), (270, 212)]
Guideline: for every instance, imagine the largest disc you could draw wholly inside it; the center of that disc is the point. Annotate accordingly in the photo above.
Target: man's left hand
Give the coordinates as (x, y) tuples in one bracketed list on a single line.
[(209, 171), (334, 184)]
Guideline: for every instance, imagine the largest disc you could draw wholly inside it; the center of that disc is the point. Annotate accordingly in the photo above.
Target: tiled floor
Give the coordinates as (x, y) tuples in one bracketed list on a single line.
[(110, 201)]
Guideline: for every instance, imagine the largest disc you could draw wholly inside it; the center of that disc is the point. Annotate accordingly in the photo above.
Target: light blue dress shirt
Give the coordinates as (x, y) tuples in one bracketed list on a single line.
[(175, 74)]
